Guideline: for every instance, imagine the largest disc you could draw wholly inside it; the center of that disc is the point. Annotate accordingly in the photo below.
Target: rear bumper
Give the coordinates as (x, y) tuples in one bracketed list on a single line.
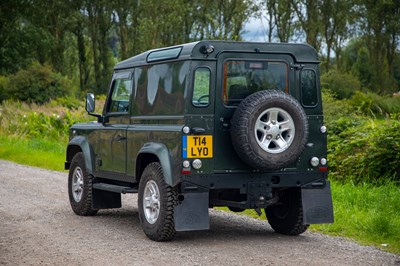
[(241, 180)]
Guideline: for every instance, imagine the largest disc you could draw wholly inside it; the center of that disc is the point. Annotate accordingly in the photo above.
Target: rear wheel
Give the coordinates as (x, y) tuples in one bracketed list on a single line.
[(286, 217), (80, 187), (156, 202)]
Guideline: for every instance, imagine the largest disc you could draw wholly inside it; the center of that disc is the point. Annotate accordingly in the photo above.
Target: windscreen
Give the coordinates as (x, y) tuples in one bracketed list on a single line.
[(244, 77)]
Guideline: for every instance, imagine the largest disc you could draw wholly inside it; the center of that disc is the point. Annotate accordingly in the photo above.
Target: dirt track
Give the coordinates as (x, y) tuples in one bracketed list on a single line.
[(37, 227)]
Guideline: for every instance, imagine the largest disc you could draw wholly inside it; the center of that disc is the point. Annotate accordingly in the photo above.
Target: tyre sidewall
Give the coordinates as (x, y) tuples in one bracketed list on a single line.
[(164, 228), (298, 120), (84, 206), (243, 126)]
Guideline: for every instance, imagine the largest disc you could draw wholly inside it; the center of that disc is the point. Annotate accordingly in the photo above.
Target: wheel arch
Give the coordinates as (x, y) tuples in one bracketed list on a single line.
[(155, 152), (80, 144)]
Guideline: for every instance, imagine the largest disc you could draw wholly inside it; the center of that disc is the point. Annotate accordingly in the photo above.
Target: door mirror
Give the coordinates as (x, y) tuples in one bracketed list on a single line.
[(90, 103)]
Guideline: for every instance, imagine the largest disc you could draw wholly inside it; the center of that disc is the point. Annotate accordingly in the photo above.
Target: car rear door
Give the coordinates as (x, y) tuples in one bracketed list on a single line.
[(239, 75)]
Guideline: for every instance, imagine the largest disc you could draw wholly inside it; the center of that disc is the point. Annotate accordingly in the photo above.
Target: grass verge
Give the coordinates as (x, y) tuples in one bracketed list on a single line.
[(48, 154), (367, 213)]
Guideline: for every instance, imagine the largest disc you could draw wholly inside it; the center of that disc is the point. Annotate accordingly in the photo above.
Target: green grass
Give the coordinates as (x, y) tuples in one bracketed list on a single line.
[(34, 152), (367, 213)]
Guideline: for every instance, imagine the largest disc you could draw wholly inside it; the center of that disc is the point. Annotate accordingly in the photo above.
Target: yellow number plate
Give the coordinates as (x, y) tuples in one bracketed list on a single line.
[(197, 147)]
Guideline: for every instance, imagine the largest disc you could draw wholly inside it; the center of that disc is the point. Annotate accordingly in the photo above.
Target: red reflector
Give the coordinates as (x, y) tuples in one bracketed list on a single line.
[(323, 169), (185, 172)]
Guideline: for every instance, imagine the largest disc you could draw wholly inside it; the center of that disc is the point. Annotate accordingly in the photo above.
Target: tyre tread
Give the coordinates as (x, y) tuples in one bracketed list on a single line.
[(84, 207), (165, 229), (241, 130)]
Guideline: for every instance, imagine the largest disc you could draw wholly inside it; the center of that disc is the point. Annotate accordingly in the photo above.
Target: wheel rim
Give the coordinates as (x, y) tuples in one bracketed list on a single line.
[(151, 201), (274, 130), (77, 184)]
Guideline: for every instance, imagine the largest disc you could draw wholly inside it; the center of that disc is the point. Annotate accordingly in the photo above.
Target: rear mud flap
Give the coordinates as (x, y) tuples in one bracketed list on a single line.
[(317, 205), (192, 213)]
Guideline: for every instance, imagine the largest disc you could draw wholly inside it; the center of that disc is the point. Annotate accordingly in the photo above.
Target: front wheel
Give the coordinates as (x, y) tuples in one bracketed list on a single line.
[(156, 202), (286, 217), (80, 187)]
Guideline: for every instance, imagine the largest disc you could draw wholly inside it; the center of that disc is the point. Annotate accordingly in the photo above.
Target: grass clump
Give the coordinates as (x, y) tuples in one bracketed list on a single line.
[(367, 213)]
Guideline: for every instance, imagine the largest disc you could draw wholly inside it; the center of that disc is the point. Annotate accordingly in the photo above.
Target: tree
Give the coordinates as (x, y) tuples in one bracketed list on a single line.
[(379, 23), (309, 17), (335, 18), (223, 19)]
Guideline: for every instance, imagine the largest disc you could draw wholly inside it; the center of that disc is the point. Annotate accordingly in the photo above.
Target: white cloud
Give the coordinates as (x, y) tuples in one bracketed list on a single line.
[(254, 30)]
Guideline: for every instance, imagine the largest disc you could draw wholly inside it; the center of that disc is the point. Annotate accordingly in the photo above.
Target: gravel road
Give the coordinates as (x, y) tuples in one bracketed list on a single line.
[(37, 227)]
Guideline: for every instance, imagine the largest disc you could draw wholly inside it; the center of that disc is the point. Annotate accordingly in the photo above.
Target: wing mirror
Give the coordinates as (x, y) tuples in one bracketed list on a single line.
[(90, 103)]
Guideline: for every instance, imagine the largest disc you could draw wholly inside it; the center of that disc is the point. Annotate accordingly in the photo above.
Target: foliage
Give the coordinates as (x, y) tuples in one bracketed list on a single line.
[(38, 84), (4, 81), (343, 85), (371, 104), (83, 39), (360, 148), (50, 122), (367, 150)]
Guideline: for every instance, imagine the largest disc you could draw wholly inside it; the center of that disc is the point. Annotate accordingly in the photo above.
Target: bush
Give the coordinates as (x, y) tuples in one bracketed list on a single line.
[(38, 84), (372, 104), (343, 85), (46, 122), (364, 150), (333, 108)]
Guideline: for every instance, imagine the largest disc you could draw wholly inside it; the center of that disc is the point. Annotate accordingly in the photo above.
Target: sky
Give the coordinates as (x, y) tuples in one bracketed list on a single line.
[(254, 30)]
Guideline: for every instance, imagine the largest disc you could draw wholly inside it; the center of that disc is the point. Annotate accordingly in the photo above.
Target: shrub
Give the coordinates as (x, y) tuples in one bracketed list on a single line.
[(372, 104), (333, 108), (38, 84), (343, 85), (365, 150)]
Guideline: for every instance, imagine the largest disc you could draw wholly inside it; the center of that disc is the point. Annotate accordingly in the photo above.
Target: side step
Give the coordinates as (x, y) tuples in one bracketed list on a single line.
[(114, 188)]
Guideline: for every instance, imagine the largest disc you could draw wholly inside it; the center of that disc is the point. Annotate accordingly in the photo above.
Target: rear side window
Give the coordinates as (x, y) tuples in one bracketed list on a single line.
[(242, 78), (121, 91), (309, 88), (201, 87), (160, 89)]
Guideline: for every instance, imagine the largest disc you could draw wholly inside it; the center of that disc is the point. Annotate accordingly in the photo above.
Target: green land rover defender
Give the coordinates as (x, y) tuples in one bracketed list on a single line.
[(205, 124)]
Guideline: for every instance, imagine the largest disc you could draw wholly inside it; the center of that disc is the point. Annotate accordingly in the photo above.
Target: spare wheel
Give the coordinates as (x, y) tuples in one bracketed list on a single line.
[(269, 130)]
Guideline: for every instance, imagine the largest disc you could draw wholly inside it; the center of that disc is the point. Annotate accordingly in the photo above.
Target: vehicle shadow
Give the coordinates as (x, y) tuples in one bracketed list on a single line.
[(224, 226)]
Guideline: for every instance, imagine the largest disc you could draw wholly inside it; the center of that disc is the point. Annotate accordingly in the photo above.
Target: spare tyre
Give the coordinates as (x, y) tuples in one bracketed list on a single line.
[(269, 130)]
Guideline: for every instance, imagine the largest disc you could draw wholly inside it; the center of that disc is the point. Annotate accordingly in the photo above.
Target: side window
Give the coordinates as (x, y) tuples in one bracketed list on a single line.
[(201, 87), (309, 88), (121, 91)]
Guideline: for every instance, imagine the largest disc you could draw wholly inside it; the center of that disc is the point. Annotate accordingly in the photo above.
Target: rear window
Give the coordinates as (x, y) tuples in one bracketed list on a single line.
[(244, 77)]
